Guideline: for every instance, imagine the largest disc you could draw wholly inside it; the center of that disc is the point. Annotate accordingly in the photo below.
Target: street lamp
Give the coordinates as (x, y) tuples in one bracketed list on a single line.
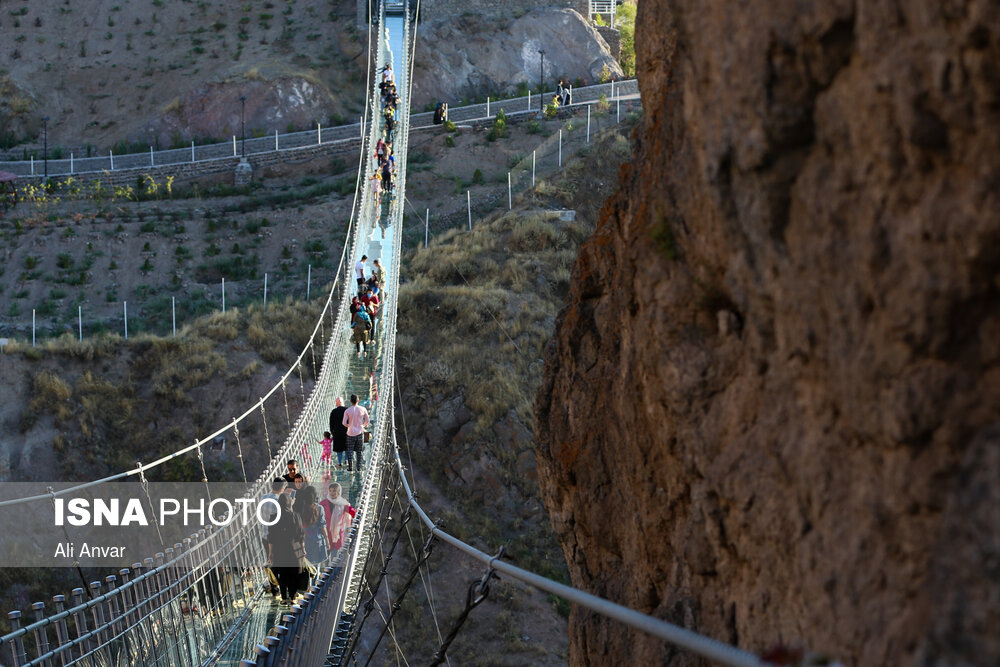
[(243, 123), (541, 81), (45, 148)]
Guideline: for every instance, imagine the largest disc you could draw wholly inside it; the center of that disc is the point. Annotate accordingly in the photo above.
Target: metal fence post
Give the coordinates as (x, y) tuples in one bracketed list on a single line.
[(80, 619), (62, 629), (532, 170), (560, 148), (468, 201), (125, 311), (265, 290), (70, 164), (32, 327), (173, 312), (17, 647), (487, 106), (112, 154), (234, 145), (309, 278), (529, 100), (223, 295), (192, 150), (32, 165), (41, 634), (275, 140), (619, 119), (510, 200), (588, 123), (151, 163), (319, 134), (427, 225), (79, 320)]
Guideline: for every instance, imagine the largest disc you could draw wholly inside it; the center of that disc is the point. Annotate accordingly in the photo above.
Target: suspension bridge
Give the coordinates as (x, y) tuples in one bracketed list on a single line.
[(206, 600)]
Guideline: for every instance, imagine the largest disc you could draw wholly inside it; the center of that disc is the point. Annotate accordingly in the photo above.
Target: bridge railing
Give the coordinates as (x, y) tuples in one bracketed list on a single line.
[(77, 165), (158, 611), (342, 589)]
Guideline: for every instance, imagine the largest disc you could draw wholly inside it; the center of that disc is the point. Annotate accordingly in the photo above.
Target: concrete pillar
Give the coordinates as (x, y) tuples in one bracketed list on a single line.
[(244, 173)]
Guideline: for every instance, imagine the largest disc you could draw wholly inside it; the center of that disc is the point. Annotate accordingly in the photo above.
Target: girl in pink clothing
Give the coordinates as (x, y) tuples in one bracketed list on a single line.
[(327, 443)]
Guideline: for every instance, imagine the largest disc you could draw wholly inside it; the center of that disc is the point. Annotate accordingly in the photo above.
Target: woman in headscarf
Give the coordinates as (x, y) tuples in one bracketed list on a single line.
[(313, 519), (339, 515), (286, 548)]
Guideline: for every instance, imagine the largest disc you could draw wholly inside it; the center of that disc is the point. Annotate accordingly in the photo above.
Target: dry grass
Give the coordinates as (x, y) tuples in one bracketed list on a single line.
[(474, 318), (150, 394)]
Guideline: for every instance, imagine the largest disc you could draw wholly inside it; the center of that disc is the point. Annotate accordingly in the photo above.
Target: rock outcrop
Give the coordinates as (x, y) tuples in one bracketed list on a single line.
[(771, 408), (213, 109), (474, 55)]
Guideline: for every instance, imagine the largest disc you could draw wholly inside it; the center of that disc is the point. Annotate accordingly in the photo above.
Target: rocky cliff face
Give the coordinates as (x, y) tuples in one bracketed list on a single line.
[(474, 55), (770, 410)]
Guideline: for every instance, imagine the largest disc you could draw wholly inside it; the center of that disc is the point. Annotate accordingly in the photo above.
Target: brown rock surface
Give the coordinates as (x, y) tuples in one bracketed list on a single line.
[(778, 364)]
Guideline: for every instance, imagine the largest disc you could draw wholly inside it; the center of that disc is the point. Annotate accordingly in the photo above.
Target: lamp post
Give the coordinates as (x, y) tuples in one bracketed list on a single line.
[(541, 81), (45, 145), (243, 125)]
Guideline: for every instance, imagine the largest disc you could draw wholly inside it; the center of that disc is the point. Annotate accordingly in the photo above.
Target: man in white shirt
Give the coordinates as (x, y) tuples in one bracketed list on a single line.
[(359, 271), (355, 419)]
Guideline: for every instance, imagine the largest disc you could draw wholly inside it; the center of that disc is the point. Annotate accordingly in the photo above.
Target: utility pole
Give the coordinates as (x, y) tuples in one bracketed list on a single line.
[(45, 148), (541, 81), (243, 124)]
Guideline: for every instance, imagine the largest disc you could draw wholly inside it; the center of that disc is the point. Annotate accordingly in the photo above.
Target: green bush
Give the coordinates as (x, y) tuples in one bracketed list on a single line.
[(626, 28), (499, 128)]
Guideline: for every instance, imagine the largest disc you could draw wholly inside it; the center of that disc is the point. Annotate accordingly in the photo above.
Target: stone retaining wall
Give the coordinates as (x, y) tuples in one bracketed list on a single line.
[(613, 39), (188, 171)]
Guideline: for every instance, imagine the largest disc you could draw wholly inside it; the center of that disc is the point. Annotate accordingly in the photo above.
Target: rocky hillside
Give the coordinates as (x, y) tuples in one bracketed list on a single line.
[(128, 74), (110, 71), (475, 55), (770, 408)]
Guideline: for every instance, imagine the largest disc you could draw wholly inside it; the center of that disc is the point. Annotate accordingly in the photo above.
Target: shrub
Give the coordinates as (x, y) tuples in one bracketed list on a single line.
[(477, 177), (499, 128)]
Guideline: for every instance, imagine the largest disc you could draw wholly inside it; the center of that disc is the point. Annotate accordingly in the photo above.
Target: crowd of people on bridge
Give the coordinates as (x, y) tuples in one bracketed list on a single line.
[(368, 305), (385, 172), (311, 529), (308, 531)]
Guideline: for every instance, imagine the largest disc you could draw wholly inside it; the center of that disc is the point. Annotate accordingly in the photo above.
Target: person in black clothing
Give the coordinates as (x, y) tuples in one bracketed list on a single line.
[(387, 176), (286, 549), (338, 430), (293, 471)]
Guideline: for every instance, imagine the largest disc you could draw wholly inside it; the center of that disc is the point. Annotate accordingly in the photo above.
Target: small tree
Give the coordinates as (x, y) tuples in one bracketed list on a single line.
[(499, 128)]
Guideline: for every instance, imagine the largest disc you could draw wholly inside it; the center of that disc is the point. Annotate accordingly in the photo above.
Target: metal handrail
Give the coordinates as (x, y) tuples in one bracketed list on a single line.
[(263, 145), (692, 641)]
